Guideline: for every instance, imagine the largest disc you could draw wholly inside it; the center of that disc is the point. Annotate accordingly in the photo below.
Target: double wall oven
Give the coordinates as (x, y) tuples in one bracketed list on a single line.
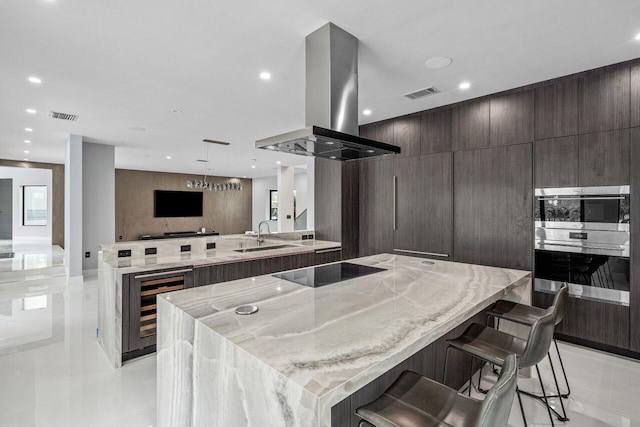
[(582, 237)]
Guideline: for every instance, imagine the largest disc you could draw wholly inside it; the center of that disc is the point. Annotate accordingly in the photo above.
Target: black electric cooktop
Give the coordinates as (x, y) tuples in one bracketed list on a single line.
[(327, 274)]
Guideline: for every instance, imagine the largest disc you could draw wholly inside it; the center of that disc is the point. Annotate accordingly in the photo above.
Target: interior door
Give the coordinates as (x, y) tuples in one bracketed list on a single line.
[(6, 209)]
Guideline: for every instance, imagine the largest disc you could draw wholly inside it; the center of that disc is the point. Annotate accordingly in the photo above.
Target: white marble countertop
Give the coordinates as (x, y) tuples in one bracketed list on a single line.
[(221, 255), (328, 342)]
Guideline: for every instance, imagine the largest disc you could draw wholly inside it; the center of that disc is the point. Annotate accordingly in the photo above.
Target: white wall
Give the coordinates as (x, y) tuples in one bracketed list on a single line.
[(98, 200), (260, 201), (73, 206), (22, 177), (260, 198)]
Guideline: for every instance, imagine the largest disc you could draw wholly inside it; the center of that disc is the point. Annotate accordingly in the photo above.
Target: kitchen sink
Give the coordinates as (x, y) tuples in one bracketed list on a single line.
[(265, 248)]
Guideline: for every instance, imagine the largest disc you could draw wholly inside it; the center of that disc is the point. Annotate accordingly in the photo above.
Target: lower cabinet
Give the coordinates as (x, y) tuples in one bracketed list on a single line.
[(591, 323), (139, 315)]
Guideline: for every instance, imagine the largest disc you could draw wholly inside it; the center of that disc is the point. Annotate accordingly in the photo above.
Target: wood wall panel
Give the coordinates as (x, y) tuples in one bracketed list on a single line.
[(556, 162), (511, 118), (556, 110), (470, 125), (604, 100), (227, 212), (604, 158), (376, 206), (635, 97), (435, 131)]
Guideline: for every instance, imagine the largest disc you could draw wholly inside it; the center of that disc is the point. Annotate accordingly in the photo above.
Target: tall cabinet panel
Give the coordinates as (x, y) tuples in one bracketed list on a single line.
[(634, 297), (635, 96), (470, 125), (424, 199), (511, 118), (556, 110), (376, 206), (556, 162), (435, 131), (604, 158), (493, 205), (406, 134)]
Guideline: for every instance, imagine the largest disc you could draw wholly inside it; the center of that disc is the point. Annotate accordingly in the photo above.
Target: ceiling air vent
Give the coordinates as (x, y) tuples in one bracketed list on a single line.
[(422, 92), (63, 116)]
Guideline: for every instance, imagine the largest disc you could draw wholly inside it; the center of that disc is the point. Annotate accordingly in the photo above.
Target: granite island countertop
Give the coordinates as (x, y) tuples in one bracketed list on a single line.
[(307, 349)]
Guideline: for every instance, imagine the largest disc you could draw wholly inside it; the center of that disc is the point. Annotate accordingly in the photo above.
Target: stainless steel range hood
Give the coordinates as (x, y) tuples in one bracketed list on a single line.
[(331, 103)]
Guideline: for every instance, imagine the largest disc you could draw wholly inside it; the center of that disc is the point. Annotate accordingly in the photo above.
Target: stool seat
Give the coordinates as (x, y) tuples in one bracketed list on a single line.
[(489, 344), (414, 400), (515, 312)]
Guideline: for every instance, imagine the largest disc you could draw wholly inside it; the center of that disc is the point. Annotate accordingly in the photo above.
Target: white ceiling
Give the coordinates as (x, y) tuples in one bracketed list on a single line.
[(120, 64)]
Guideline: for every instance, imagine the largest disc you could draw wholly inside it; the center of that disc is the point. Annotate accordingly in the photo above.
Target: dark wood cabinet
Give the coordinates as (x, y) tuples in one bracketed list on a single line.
[(597, 322), (470, 125), (379, 131), (435, 131), (556, 110), (406, 134), (493, 206), (424, 204), (139, 319), (376, 206), (604, 158), (634, 119), (556, 162), (634, 296), (604, 101), (511, 118)]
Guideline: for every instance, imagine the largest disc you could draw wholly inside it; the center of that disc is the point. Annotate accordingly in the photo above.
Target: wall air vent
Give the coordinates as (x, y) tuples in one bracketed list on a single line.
[(202, 161), (63, 116), (423, 92), (213, 141)]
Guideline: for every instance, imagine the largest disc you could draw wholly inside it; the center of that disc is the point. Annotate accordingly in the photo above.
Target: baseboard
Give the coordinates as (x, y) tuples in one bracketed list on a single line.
[(75, 280)]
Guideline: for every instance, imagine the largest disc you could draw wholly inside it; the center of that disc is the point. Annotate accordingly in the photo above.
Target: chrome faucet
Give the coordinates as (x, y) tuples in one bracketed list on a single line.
[(260, 240)]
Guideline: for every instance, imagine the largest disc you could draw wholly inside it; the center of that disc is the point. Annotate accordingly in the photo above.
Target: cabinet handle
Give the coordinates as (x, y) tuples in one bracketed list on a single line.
[(324, 251), (395, 202), (144, 276), (406, 251)]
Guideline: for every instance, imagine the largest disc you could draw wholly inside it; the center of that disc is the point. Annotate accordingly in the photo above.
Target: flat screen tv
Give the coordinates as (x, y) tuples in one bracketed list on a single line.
[(177, 203)]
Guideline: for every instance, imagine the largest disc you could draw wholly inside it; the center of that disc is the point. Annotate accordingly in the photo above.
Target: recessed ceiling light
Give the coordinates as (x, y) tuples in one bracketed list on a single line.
[(28, 129), (31, 111), (253, 166), (25, 159), (637, 37), (438, 62), (464, 85), (28, 141), (332, 157), (265, 75), (370, 151), (244, 176), (278, 162), (26, 151), (177, 111), (271, 147), (329, 142), (35, 80), (366, 112), (168, 157)]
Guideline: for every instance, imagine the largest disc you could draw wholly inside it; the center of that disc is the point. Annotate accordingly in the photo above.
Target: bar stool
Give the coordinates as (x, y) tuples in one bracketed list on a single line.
[(413, 400), (527, 315), (493, 346)]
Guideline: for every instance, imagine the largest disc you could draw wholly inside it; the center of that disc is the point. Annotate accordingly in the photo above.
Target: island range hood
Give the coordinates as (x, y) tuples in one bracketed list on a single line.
[(331, 108)]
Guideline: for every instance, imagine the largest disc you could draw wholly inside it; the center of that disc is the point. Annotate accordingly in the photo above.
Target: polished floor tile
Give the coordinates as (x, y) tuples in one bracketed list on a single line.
[(53, 372), (30, 261)]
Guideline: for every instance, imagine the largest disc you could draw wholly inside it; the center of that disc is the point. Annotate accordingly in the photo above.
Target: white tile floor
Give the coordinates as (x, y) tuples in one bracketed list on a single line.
[(53, 373)]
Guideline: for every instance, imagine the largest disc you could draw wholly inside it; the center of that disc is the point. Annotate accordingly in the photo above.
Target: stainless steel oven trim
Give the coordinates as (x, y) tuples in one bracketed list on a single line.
[(569, 225), (582, 191), (611, 296), (577, 249)]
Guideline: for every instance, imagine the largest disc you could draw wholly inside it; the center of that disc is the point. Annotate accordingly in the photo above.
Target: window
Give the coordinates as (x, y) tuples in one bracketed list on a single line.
[(273, 205), (34, 205)]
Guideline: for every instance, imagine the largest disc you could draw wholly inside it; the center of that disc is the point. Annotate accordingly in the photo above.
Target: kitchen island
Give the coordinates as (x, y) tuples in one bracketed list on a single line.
[(302, 357)]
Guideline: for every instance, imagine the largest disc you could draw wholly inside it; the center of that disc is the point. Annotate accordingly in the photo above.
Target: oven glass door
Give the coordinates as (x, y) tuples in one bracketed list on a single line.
[(592, 276), (607, 209)]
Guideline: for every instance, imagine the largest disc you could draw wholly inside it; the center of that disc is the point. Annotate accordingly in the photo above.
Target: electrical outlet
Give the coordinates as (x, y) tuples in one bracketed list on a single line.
[(211, 245), (124, 253), (185, 248), (119, 237), (310, 236), (305, 237), (87, 254), (150, 251)]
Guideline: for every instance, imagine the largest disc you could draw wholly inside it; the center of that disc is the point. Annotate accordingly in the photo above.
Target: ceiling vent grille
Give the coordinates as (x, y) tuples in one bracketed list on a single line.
[(423, 92), (63, 116)]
